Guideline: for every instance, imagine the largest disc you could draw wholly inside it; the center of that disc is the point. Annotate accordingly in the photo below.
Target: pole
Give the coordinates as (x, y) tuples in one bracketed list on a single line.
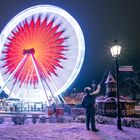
[(119, 125)]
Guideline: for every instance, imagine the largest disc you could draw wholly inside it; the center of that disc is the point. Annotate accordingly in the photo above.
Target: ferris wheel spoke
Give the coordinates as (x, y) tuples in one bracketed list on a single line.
[(9, 59), (11, 75)]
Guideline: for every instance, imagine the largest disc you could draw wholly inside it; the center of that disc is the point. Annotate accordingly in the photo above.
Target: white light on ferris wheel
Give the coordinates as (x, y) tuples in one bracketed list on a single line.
[(54, 44)]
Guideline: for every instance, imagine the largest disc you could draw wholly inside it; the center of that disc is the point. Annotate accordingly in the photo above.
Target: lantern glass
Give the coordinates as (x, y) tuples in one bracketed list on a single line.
[(115, 50)]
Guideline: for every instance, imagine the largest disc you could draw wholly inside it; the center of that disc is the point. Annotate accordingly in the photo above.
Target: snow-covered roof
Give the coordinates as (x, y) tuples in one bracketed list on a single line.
[(110, 79)]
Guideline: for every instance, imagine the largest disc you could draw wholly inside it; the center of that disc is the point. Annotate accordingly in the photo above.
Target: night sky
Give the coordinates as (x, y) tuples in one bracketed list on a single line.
[(102, 21)]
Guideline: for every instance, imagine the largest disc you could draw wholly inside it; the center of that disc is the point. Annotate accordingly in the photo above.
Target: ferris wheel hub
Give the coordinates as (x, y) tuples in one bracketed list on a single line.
[(29, 51)]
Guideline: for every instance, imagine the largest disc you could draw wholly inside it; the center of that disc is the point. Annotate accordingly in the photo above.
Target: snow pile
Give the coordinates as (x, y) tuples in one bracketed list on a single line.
[(110, 132), (65, 131)]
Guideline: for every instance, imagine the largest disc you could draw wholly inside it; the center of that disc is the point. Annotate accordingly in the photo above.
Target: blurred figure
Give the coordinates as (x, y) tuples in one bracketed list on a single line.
[(88, 102)]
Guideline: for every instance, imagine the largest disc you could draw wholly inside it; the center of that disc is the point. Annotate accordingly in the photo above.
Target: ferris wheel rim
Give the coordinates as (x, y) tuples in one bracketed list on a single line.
[(80, 59)]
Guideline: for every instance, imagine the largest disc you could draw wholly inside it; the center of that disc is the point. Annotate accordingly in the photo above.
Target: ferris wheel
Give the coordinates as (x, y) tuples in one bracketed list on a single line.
[(41, 53)]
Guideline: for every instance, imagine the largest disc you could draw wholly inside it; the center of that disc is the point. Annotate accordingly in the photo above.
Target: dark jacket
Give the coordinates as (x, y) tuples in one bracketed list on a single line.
[(88, 102)]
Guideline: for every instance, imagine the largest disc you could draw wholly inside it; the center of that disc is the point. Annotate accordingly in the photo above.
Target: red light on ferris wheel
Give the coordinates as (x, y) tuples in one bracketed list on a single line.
[(42, 50)]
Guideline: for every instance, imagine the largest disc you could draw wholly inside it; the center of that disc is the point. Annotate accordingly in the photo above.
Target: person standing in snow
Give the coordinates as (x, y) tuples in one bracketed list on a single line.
[(88, 102)]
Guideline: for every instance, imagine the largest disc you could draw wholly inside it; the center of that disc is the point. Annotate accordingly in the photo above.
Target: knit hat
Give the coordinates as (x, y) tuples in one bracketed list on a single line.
[(87, 89)]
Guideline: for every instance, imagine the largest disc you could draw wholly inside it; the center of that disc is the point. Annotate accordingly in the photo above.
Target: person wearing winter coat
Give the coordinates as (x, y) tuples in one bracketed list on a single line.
[(88, 102)]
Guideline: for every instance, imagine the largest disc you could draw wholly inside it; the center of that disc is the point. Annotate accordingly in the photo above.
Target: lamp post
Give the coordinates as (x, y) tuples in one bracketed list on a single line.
[(115, 51)]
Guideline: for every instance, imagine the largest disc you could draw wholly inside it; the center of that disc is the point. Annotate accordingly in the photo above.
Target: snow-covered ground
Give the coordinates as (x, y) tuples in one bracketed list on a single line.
[(65, 131)]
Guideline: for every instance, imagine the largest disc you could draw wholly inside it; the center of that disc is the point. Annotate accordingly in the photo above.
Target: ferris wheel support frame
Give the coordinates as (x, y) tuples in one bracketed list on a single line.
[(40, 70), (52, 87), (11, 75), (38, 75), (14, 84), (39, 78)]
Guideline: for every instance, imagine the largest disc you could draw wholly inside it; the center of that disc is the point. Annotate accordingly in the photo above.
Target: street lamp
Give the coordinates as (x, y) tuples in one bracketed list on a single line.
[(115, 51)]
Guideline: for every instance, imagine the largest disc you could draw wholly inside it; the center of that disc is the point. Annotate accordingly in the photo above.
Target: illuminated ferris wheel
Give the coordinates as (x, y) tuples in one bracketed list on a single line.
[(41, 53)]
